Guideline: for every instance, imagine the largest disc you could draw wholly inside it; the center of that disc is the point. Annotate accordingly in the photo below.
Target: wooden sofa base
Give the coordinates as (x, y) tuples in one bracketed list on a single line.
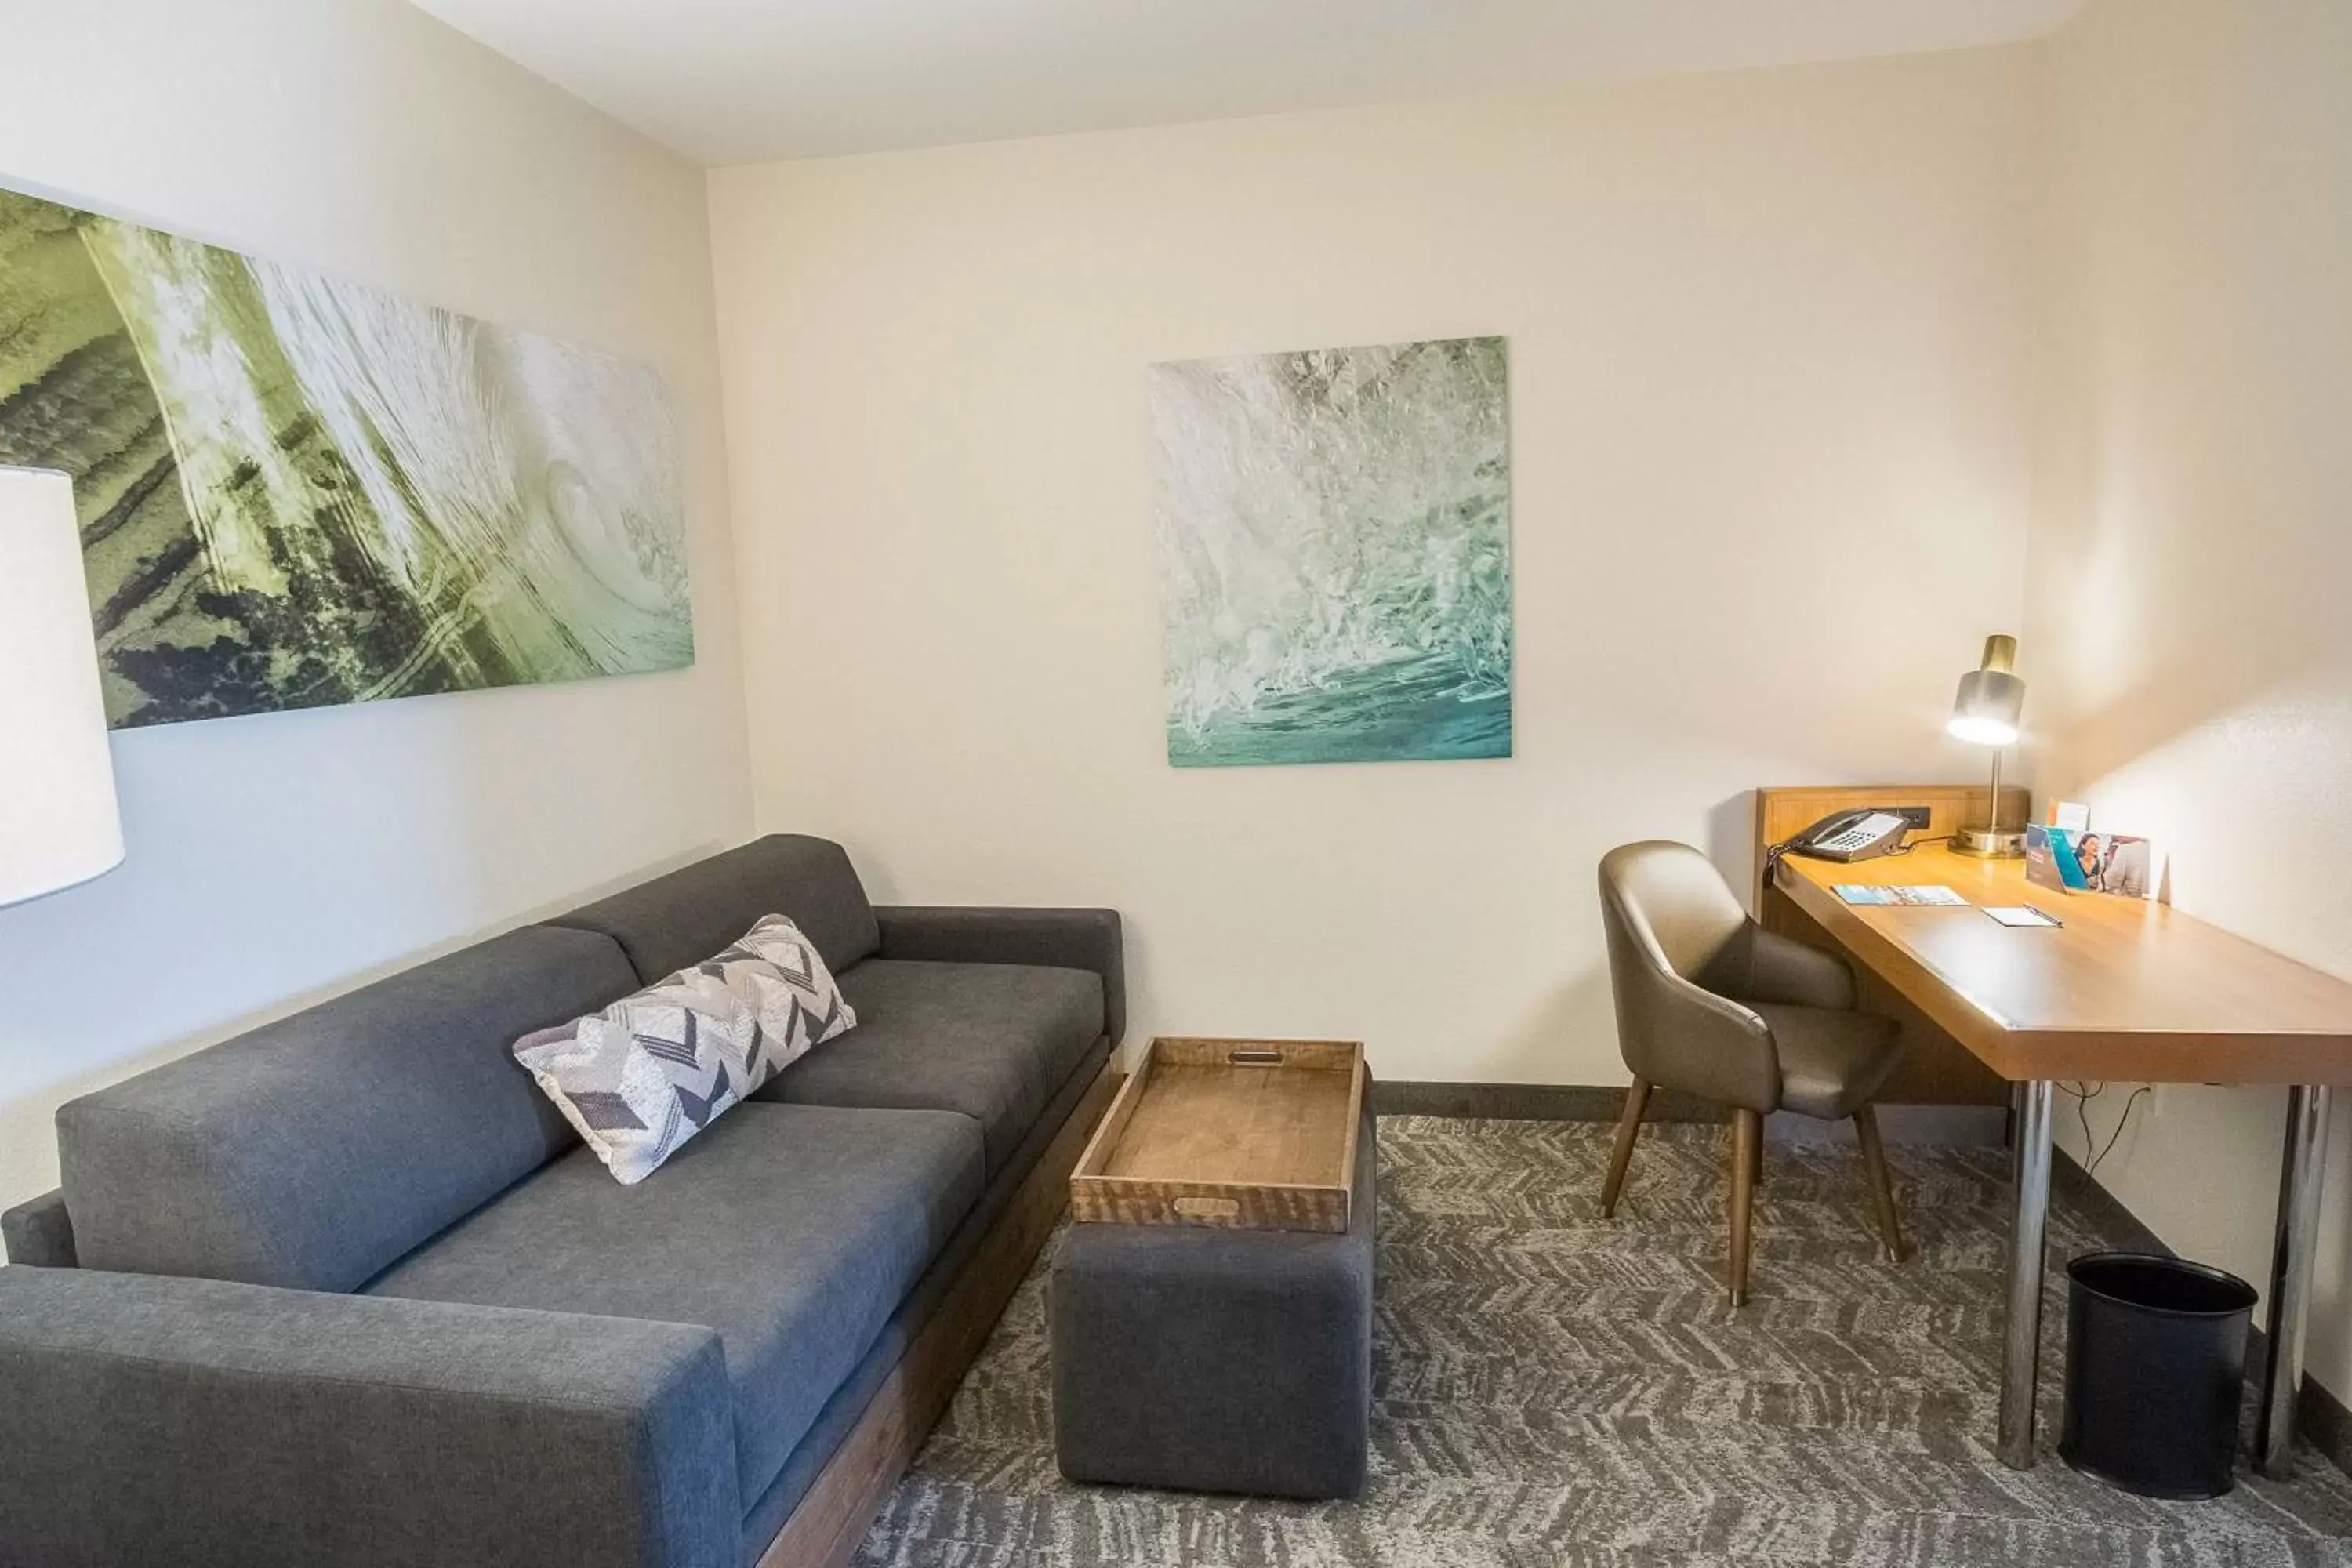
[(825, 1530)]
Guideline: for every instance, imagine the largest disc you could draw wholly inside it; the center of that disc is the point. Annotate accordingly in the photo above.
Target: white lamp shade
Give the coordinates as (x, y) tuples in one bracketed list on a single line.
[(58, 824)]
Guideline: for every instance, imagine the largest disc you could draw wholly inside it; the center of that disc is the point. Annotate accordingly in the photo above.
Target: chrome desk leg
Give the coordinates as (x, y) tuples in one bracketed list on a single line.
[(2301, 1167), (2029, 1224)]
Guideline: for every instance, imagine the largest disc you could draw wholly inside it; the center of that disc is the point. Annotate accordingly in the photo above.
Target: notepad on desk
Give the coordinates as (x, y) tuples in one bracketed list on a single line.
[(1933, 895)]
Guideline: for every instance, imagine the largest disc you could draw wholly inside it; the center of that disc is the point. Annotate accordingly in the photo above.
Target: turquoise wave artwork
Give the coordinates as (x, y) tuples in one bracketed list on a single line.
[(297, 492), (1334, 532)]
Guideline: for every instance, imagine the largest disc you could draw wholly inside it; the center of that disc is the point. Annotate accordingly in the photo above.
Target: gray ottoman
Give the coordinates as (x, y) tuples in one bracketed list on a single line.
[(1214, 1360)]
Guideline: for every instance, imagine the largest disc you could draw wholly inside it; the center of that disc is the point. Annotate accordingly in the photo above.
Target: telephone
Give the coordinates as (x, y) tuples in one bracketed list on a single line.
[(1863, 834)]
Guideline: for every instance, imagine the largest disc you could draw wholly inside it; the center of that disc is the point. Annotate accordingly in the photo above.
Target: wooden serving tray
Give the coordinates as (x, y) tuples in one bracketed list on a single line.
[(1247, 1134)]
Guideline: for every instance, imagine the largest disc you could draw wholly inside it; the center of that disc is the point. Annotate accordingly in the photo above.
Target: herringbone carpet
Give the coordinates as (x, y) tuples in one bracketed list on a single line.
[(1552, 1388)]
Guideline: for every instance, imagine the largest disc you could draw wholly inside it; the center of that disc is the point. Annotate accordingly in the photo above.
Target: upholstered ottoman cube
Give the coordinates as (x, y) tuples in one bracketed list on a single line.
[(1212, 1359)]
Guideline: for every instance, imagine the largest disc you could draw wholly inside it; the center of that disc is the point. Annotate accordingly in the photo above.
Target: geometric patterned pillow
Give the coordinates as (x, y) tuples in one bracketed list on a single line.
[(656, 1067)]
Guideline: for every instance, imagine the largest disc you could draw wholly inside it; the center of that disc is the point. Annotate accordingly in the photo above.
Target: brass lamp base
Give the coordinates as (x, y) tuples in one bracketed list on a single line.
[(1991, 843)]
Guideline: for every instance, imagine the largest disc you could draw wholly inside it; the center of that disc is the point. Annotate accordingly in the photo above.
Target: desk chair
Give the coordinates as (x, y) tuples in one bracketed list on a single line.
[(1710, 1003)]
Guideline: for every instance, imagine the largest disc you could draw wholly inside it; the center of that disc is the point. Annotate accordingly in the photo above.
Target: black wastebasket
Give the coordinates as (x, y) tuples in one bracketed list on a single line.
[(2156, 1364)]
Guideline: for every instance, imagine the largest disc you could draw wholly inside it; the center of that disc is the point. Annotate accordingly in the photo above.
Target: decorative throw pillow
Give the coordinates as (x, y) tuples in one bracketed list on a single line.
[(655, 1067)]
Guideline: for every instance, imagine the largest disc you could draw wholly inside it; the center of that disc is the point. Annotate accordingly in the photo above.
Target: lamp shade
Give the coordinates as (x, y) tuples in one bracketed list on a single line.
[(1991, 698), (58, 824)]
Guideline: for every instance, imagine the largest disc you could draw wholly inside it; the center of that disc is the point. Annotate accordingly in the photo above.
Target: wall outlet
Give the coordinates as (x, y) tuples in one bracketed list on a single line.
[(1917, 815)]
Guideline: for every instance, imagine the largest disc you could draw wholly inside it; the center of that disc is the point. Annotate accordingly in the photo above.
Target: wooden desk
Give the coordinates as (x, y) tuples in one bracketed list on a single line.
[(2126, 990)]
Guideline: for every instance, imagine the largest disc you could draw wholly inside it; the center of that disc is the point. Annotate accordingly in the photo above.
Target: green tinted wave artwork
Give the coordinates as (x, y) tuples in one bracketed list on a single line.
[(296, 491), (1334, 548)]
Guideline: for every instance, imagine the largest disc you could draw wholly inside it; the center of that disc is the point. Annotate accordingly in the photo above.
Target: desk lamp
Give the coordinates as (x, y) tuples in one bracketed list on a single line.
[(1991, 701), (58, 824)]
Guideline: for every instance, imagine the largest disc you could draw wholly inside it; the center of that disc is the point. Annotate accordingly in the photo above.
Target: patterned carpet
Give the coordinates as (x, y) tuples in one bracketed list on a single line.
[(1552, 1388)]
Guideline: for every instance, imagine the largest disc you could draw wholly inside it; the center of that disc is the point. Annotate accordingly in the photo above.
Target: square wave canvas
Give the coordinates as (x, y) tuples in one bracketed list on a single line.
[(296, 491), (1335, 556)]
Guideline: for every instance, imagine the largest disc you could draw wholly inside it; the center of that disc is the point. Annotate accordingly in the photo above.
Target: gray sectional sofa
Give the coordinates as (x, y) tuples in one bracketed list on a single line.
[(347, 1289)]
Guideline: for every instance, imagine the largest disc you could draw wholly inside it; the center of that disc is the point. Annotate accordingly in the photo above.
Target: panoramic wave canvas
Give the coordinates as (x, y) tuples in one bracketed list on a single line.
[(1335, 553), (296, 491)]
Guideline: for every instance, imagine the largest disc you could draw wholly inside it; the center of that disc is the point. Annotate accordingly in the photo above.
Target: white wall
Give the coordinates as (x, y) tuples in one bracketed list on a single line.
[(1769, 339), (2187, 639), (273, 857)]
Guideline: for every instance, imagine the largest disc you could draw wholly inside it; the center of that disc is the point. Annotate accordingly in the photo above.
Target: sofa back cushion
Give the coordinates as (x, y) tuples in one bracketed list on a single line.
[(674, 922), (315, 1151)]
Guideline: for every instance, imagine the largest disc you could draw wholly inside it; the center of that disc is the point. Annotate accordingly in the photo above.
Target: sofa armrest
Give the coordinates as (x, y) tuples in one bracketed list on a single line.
[(38, 1233), (151, 1418), (1057, 939)]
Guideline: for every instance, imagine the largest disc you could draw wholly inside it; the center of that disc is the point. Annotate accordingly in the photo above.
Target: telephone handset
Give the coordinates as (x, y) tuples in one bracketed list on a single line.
[(1862, 834)]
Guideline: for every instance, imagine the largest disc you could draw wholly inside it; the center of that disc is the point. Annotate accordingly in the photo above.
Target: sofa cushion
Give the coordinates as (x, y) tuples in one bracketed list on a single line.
[(657, 1067), (793, 1231), (991, 1040), (685, 917), (312, 1151)]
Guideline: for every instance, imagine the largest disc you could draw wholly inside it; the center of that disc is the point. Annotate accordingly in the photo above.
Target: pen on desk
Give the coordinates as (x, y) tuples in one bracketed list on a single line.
[(2045, 914)]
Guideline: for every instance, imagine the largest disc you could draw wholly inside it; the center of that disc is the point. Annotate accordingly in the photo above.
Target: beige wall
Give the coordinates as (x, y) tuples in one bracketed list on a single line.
[(1770, 363), (273, 857), (2187, 639)]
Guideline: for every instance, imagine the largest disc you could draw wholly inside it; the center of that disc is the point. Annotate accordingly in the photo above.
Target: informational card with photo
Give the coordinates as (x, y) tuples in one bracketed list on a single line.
[(2051, 861), (2088, 862), (2117, 863)]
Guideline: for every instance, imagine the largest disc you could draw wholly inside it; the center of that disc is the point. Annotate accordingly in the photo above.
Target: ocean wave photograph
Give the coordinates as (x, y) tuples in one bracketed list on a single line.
[(1335, 560)]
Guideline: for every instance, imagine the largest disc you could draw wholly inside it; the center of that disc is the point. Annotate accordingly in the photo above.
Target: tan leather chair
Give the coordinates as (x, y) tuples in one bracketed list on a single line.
[(1710, 1003)]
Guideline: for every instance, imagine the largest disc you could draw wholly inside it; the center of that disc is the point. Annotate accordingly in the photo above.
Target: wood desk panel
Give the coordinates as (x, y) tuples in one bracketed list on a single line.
[(1937, 1068), (2128, 990), (1783, 813)]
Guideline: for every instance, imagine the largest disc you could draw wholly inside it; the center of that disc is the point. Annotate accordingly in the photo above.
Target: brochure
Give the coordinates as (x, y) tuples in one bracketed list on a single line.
[(1933, 895), (2051, 860)]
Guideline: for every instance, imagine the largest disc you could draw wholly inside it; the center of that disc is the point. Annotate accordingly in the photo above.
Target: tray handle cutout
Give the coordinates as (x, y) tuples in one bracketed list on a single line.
[(1253, 1057), (1208, 1208)]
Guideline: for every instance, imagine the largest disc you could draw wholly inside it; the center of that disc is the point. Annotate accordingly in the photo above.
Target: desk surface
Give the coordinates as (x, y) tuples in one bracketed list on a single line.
[(2127, 989)]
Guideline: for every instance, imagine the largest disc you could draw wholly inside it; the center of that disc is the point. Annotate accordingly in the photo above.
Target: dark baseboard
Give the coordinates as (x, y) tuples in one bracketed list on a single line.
[(1532, 1102), (1596, 1102), (2321, 1417), (1945, 1125)]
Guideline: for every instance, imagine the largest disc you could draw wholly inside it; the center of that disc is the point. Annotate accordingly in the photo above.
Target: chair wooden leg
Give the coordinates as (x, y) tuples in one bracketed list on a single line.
[(1747, 1165), (1882, 1189), (1629, 1127)]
